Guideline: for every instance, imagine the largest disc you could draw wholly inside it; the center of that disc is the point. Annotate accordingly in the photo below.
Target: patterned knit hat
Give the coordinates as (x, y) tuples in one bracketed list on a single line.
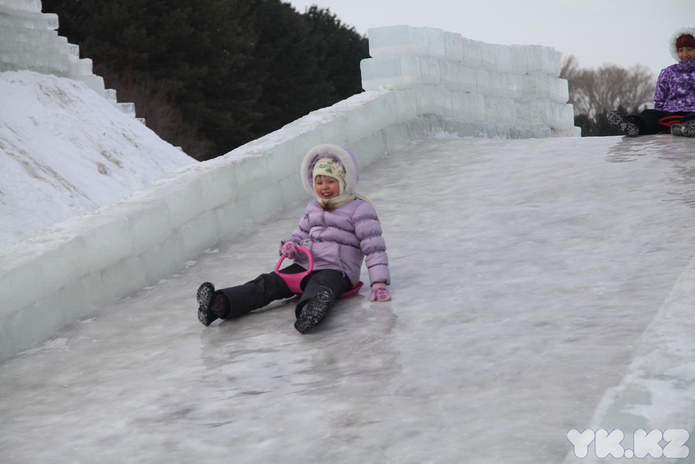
[(346, 159), (330, 167)]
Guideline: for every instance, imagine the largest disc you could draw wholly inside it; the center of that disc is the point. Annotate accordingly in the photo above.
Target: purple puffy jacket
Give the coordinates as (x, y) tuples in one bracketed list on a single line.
[(343, 239), (675, 88)]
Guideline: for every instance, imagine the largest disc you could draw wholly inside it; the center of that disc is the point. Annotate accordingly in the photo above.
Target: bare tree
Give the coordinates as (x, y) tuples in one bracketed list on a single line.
[(594, 92)]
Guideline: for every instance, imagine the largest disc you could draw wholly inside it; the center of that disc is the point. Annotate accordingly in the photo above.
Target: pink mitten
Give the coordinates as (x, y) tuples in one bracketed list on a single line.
[(380, 292), (289, 250)]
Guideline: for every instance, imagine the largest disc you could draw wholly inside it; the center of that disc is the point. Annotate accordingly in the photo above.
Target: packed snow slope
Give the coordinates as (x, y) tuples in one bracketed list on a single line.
[(66, 151)]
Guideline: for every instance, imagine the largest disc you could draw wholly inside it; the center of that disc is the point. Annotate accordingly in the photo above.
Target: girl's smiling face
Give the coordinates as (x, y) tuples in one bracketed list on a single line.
[(686, 54), (326, 187)]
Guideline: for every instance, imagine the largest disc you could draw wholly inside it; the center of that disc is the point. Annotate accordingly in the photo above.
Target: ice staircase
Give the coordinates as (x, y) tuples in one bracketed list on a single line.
[(29, 41)]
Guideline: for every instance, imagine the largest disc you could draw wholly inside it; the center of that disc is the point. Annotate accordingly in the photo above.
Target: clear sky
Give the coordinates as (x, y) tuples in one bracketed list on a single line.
[(622, 32)]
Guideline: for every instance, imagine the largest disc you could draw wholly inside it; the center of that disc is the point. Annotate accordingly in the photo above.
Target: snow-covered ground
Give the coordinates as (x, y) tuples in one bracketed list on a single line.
[(56, 165)]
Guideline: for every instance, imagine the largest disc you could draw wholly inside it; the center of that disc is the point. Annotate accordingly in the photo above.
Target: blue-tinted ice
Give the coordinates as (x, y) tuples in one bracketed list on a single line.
[(524, 273)]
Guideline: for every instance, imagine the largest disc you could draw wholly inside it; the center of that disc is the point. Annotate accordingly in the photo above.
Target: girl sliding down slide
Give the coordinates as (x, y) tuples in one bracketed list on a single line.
[(341, 230)]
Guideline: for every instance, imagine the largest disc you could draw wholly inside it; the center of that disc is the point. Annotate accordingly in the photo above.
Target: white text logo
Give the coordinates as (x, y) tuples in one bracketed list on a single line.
[(668, 444)]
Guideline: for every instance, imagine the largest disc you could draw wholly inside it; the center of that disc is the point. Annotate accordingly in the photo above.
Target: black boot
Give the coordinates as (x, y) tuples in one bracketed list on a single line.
[(688, 128), (211, 306), (314, 311), (628, 127)]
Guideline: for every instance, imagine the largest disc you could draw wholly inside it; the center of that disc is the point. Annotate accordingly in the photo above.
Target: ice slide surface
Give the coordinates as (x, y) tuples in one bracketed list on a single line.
[(524, 272)]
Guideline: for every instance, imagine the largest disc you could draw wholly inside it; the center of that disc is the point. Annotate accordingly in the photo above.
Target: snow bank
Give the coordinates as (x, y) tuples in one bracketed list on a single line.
[(65, 151)]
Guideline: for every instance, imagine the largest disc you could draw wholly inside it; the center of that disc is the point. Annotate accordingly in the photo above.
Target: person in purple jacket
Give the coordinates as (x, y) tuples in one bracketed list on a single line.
[(339, 227), (674, 99)]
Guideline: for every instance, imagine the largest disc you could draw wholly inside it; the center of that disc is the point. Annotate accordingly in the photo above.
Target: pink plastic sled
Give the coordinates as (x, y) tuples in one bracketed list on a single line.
[(293, 280)]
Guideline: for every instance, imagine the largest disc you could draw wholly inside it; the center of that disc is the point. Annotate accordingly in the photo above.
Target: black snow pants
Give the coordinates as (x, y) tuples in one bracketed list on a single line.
[(267, 288), (655, 121)]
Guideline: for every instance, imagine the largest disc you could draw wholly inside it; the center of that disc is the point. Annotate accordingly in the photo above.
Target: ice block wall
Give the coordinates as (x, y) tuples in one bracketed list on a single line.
[(29, 41), (56, 277), (419, 82), (481, 89)]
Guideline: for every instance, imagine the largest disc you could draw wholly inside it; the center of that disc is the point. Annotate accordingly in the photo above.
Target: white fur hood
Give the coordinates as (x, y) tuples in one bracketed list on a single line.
[(674, 38), (343, 155)]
